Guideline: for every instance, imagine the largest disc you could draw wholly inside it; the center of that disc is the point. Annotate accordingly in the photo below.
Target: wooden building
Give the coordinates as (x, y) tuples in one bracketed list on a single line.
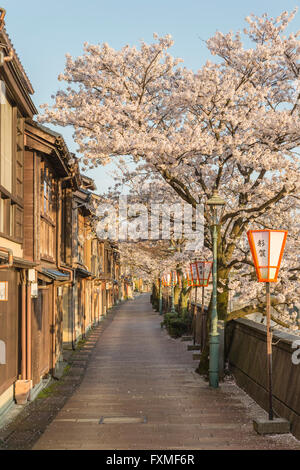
[(93, 262), (48, 173), (57, 278), (16, 106)]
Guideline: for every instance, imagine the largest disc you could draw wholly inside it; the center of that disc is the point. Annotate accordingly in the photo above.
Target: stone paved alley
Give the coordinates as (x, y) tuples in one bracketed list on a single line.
[(139, 375), (140, 391)]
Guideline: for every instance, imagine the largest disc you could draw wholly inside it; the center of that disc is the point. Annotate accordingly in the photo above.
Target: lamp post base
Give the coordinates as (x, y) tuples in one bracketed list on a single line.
[(213, 372), (274, 426)]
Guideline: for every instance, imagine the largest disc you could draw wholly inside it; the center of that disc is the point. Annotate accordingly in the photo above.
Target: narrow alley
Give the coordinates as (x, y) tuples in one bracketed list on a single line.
[(140, 391)]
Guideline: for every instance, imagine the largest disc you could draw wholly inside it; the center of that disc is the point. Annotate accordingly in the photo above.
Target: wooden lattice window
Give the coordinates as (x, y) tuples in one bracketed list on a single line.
[(11, 168), (48, 212), (6, 143), (19, 156)]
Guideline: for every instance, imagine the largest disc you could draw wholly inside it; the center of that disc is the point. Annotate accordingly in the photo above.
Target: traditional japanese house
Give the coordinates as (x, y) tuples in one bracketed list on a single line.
[(57, 279), (48, 172), (111, 274), (97, 263), (84, 251), (94, 262), (16, 106), (81, 259)]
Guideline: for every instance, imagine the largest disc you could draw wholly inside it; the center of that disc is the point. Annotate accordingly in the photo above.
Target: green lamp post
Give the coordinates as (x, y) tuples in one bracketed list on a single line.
[(216, 205), (172, 293), (160, 295), (172, 249)]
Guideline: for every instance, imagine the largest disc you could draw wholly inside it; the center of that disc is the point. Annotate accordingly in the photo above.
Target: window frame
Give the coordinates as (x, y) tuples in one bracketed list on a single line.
[(14, 199), (48, 214)]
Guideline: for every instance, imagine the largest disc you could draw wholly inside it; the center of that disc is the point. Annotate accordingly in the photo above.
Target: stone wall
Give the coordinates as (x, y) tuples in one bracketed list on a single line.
[(247, 355)]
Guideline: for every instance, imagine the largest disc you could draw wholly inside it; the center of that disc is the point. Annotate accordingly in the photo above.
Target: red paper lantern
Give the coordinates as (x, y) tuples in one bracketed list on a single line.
[(267, 249), (203, 269)]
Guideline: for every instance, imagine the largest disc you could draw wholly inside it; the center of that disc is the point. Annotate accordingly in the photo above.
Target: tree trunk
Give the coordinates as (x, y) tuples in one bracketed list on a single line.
[(222, 297), (155, 295), (177, 291), (184, 299)]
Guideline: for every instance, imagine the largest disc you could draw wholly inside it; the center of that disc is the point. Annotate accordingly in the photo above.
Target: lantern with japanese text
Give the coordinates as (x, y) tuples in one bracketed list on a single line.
[(267, 249)]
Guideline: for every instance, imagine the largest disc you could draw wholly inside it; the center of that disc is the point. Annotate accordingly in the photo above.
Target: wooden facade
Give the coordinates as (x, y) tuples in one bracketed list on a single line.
[(16, 106), (47, 170), (57, 278)]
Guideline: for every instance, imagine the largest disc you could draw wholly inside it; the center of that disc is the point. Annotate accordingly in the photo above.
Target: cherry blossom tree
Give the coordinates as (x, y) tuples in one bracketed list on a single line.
[(232, 126)]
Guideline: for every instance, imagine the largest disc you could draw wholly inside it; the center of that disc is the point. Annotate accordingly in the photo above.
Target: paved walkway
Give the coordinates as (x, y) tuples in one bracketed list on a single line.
[(140, 391)]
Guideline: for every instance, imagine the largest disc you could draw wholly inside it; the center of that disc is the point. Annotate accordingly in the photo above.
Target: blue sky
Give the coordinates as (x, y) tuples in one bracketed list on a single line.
[(42, 32)]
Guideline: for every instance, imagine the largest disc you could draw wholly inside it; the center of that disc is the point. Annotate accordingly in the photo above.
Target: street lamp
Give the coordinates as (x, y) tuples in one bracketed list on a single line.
[(267, 249), (173, 281), (167, 282), (216, 205), (160, 294), (195, 284), (172, 249)]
